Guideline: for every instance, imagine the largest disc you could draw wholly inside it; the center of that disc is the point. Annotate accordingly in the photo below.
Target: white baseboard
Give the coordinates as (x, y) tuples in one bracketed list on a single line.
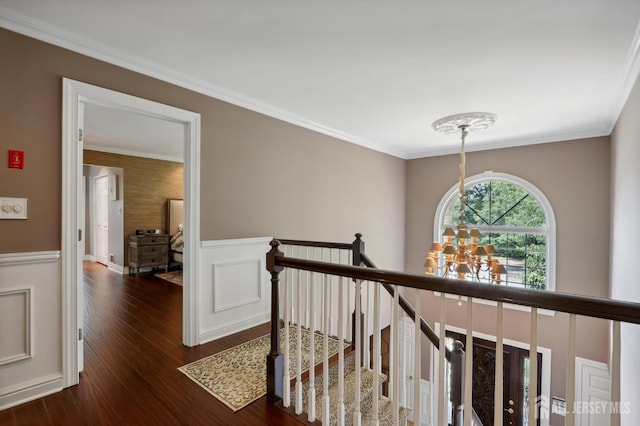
[(89, 258), (233, 327), (116, 268), (28, 391)]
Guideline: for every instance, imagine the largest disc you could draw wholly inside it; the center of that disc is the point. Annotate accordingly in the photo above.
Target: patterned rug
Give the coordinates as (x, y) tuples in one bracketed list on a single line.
[(238, 376), (173, 277)]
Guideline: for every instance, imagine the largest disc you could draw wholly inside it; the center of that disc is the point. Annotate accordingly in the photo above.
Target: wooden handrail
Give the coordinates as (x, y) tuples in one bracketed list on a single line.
[(581, 305), (410, 311)]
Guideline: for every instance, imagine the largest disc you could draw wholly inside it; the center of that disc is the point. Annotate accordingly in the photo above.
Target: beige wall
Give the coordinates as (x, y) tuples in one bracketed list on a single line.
[(574, 176), (624, 246), (147, 184), (260, 176)]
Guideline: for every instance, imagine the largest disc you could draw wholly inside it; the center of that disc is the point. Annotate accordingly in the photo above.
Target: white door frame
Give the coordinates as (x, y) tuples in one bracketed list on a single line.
[(73, 94)]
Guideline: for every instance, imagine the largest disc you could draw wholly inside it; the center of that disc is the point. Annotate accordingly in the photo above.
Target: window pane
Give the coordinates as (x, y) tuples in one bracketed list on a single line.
[(495, 205)]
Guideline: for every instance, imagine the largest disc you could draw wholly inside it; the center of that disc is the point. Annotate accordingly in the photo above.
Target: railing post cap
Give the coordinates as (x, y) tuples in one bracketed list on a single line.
[(358, 236), (457, 345), (274, 244)]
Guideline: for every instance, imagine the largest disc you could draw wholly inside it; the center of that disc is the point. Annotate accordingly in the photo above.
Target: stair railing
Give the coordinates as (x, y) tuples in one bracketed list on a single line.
[(344, 253), (615, 311), (341, 253)]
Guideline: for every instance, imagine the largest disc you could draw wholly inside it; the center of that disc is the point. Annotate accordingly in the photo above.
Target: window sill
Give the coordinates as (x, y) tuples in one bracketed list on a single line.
[(510, 306)]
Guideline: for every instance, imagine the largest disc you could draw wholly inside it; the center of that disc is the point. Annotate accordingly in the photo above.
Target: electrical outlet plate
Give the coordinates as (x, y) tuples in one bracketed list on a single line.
[(13, 208)]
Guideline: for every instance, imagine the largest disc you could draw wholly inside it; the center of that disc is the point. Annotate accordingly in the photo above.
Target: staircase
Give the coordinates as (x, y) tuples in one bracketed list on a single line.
[(335, 289), (366, 396)]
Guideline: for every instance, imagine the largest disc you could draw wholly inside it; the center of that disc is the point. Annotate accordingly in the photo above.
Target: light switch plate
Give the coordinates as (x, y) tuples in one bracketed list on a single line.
[(558, 406), (13, 208)]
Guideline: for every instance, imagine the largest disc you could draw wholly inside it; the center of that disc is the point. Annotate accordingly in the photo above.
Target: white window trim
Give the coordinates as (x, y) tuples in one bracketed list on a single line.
[(470, 181)]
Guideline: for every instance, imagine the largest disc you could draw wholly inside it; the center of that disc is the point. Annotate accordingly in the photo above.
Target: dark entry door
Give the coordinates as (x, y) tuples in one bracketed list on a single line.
[(515, 384)]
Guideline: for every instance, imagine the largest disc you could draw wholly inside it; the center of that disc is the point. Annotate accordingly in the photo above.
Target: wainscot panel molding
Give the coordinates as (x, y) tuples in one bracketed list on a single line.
[(234, 286), (30, 326), (15, 314)]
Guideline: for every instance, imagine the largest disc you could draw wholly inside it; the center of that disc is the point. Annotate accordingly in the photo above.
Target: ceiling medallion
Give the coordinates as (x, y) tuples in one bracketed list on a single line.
[(469, 121)]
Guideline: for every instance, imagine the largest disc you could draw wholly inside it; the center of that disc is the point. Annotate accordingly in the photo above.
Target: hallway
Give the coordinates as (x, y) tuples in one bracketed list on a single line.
[(133, 334)]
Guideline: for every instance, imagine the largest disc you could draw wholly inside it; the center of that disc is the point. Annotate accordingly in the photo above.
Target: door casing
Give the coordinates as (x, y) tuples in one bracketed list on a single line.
[(74, 94)]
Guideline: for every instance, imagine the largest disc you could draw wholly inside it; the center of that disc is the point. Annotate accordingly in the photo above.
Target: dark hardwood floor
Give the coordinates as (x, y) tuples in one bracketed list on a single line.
[(133, 335)]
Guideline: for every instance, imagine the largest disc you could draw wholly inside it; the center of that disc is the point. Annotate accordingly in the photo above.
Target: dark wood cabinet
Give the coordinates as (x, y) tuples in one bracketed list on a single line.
[(149, 250)]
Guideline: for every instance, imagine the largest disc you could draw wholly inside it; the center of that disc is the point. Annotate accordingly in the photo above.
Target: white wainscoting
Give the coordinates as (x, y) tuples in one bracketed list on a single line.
[(30, 326), (234, 289)]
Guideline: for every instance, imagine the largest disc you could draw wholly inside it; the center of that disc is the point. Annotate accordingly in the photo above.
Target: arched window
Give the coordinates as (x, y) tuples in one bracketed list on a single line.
[(513, 216)]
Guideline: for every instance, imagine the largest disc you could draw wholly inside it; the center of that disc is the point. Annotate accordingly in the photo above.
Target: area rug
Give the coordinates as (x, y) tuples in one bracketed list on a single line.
[(237, 376), (173, 277)]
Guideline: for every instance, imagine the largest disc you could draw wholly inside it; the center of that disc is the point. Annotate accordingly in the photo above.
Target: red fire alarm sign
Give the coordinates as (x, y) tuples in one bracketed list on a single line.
[(16, 159)]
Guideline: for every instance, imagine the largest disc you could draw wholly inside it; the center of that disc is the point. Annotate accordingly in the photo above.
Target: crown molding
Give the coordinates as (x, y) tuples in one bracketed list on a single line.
[(58, 37), (508, 143), (49, 34), (626, 82)]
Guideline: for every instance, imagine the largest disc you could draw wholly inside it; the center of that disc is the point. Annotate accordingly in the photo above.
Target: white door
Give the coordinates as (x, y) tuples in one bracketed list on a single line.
[(101, 222), (592, 389), (406, 369)]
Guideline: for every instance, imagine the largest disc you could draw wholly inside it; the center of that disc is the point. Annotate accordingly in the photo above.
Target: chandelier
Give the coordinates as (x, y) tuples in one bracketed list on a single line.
[(460, 255)]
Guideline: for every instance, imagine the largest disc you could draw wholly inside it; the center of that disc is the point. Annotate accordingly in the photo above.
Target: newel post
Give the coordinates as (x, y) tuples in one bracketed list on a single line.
[(275, 360), (457, 382), (358, 250)]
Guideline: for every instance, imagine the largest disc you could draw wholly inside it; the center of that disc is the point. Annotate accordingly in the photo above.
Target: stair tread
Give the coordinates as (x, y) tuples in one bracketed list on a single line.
[(366, 388), (385, 416)]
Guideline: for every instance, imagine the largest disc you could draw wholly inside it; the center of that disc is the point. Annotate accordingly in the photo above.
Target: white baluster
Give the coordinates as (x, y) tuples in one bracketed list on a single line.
[(442, 384), (341, 309), (357, 418), (312, 350), (366, 360), (325, 370), (468, 365), (533, 366), (349, 320), (331, 278), (499, 383), (299, 347), (395, 406), (306, 290), (392, 343), (286, 391), (571, 373), (402, 349), (417, 367), (376, 352), (615, 373)]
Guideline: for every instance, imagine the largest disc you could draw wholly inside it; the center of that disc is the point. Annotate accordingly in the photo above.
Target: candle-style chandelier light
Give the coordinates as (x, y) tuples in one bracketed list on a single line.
[(460, 255)]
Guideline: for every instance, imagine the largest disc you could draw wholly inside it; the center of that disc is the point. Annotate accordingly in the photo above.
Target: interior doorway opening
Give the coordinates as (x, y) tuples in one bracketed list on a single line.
[(75, 96)]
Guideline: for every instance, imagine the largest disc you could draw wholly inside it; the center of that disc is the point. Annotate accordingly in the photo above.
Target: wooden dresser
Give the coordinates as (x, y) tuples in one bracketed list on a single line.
[(148, 250)]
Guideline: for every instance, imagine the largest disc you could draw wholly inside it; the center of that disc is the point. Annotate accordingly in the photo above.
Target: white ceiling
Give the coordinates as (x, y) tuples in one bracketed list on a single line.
[(130, 133), (376, 73)]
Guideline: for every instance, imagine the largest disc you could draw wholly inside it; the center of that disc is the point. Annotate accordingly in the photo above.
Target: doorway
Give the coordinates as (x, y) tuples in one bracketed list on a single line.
[(515, 383), (75, 95)]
